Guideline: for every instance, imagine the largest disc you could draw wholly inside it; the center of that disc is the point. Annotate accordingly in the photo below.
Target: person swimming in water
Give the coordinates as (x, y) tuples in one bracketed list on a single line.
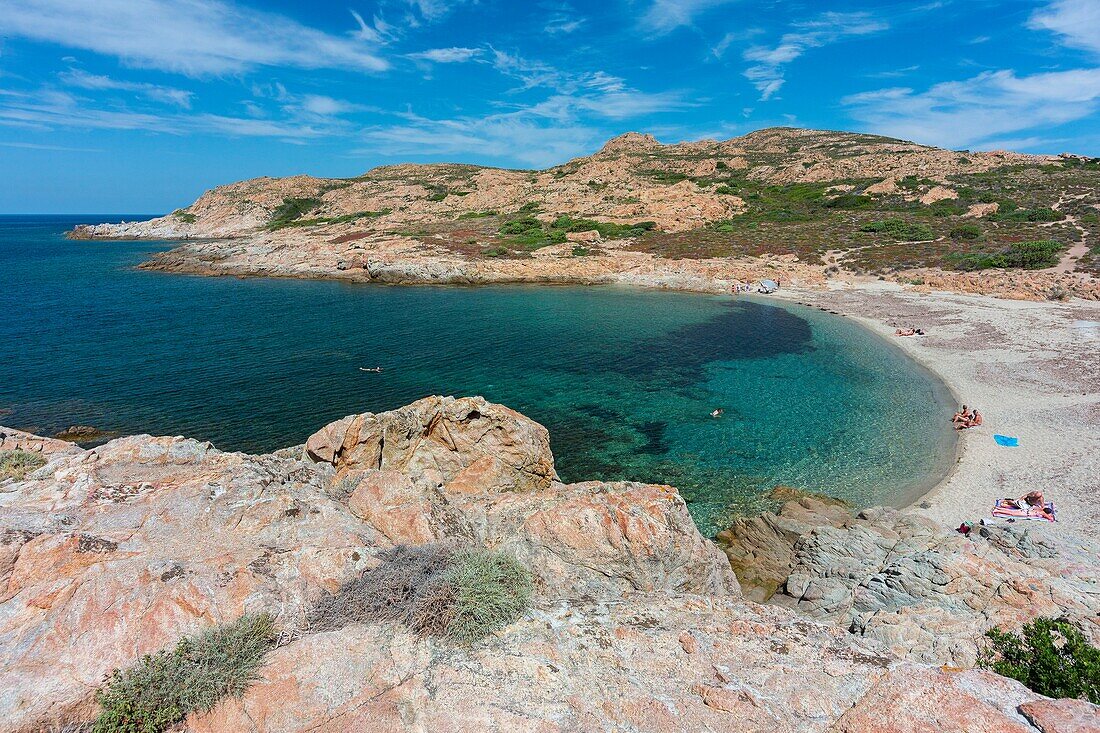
[(717, 413)]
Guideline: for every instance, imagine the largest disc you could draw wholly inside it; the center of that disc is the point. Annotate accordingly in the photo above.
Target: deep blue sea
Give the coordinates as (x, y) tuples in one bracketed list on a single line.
[(624, 379)]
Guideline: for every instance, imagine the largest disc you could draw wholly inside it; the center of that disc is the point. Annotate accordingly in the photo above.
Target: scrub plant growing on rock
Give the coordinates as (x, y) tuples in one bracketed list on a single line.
[(461, 595), (17, 464), (161, 689), (1051, 656)]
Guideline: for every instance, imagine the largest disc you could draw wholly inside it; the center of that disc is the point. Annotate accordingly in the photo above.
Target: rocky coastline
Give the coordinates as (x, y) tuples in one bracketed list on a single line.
[(638, 621)]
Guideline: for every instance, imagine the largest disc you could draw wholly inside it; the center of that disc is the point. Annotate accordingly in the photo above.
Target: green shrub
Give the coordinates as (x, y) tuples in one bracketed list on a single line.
[(1051, 657), (850, 201), (490, 591), (495, 251), (607, 230), (900, 230), (579, 251), (521, 225), (1026, 255), (1026, 215), (344, 218), (476, 214), (433, 590), (725, 191), (966, 231), (161, 689), (17, 463), (291, 209), (185, 216)]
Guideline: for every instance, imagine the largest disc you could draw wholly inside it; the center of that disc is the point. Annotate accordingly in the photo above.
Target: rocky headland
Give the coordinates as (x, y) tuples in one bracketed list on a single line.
[(805, 207), (833, 622)]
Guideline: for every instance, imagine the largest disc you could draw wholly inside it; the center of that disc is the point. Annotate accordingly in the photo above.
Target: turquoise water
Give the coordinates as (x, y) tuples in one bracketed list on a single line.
[(624, 379)]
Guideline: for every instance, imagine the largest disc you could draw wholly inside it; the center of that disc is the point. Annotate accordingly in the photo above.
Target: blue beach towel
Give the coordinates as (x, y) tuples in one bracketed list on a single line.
[(1006, 441)]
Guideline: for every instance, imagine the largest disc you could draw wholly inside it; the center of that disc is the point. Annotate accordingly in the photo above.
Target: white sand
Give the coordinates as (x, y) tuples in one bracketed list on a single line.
[(1031, 369)]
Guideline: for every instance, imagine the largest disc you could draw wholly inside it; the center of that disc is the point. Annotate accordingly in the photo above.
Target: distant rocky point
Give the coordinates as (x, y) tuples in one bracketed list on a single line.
[(802, 205)]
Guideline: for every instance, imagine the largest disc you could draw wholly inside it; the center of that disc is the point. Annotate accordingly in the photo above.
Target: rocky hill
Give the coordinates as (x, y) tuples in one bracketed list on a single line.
[(827, 204), (637, 622)]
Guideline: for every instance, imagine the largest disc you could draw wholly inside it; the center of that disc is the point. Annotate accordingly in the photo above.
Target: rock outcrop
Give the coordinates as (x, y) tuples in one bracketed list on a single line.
[(638, 624), (899, 579)]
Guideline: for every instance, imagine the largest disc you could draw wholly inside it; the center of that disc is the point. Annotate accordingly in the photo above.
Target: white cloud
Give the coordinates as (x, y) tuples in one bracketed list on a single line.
[(193, 37), (1076, 21), (975, 113), (49, 109), (768, 73), (167, 95), (454, 55), (322, 106), (665, 16), (433, 10), (508, 136)]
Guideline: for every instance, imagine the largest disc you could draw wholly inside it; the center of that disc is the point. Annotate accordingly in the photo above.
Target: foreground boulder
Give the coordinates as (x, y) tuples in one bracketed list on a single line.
[(438, 440), (111, 553), (901, 579), (637, 623), (656, 664)]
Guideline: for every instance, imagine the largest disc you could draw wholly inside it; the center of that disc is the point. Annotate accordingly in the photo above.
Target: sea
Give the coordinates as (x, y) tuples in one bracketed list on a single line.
[(625, 379)]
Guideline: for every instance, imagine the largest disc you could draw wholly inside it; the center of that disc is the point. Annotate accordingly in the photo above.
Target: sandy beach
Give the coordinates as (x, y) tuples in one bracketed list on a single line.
[(1031, 368)]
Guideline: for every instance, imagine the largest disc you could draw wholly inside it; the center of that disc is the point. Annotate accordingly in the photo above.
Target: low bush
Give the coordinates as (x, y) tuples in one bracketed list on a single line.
[(488, 591), (900, 230), (291, 209), (17, 463), (850, 201), (344, 218), (1027, 215), (1051, 657), (966, 231), (476, 214), (434, 590), (1025, 255), (161, 689), (185, 216)]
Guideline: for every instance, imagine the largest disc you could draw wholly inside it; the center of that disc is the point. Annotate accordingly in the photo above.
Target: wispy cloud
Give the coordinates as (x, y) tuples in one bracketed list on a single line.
[(978, 111), (665, 16), (49, 109), (767, 73), (56, 148), (193, 37), (433, 10), (507, 136), (167, 95), (1076, 22), (893, 73), (453, 55)]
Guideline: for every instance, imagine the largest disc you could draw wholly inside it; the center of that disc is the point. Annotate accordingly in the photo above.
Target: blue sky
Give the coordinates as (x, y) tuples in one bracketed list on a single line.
[(140, 105)]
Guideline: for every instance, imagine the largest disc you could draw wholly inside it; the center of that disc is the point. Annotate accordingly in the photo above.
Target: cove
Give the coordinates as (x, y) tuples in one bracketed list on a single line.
[(624, 379)]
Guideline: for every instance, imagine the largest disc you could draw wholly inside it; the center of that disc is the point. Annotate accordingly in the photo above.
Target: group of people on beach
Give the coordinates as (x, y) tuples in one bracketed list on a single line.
[(909, 332), (966, 418)]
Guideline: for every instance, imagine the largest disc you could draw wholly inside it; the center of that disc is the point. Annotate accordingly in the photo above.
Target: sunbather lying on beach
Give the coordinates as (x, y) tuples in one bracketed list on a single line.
[(974, 421), (909, 332)]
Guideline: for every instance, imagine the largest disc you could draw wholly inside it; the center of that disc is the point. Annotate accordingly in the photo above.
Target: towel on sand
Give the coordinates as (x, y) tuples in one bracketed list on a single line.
[(1006, 441), (1008, 508)]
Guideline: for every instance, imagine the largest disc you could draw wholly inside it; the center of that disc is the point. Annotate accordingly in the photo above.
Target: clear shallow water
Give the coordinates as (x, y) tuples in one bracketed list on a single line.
[(624, 379)]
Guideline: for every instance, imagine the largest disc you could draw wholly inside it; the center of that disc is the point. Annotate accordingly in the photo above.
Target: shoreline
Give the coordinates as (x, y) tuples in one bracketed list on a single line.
[(1050, 399), (1006, 331)]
